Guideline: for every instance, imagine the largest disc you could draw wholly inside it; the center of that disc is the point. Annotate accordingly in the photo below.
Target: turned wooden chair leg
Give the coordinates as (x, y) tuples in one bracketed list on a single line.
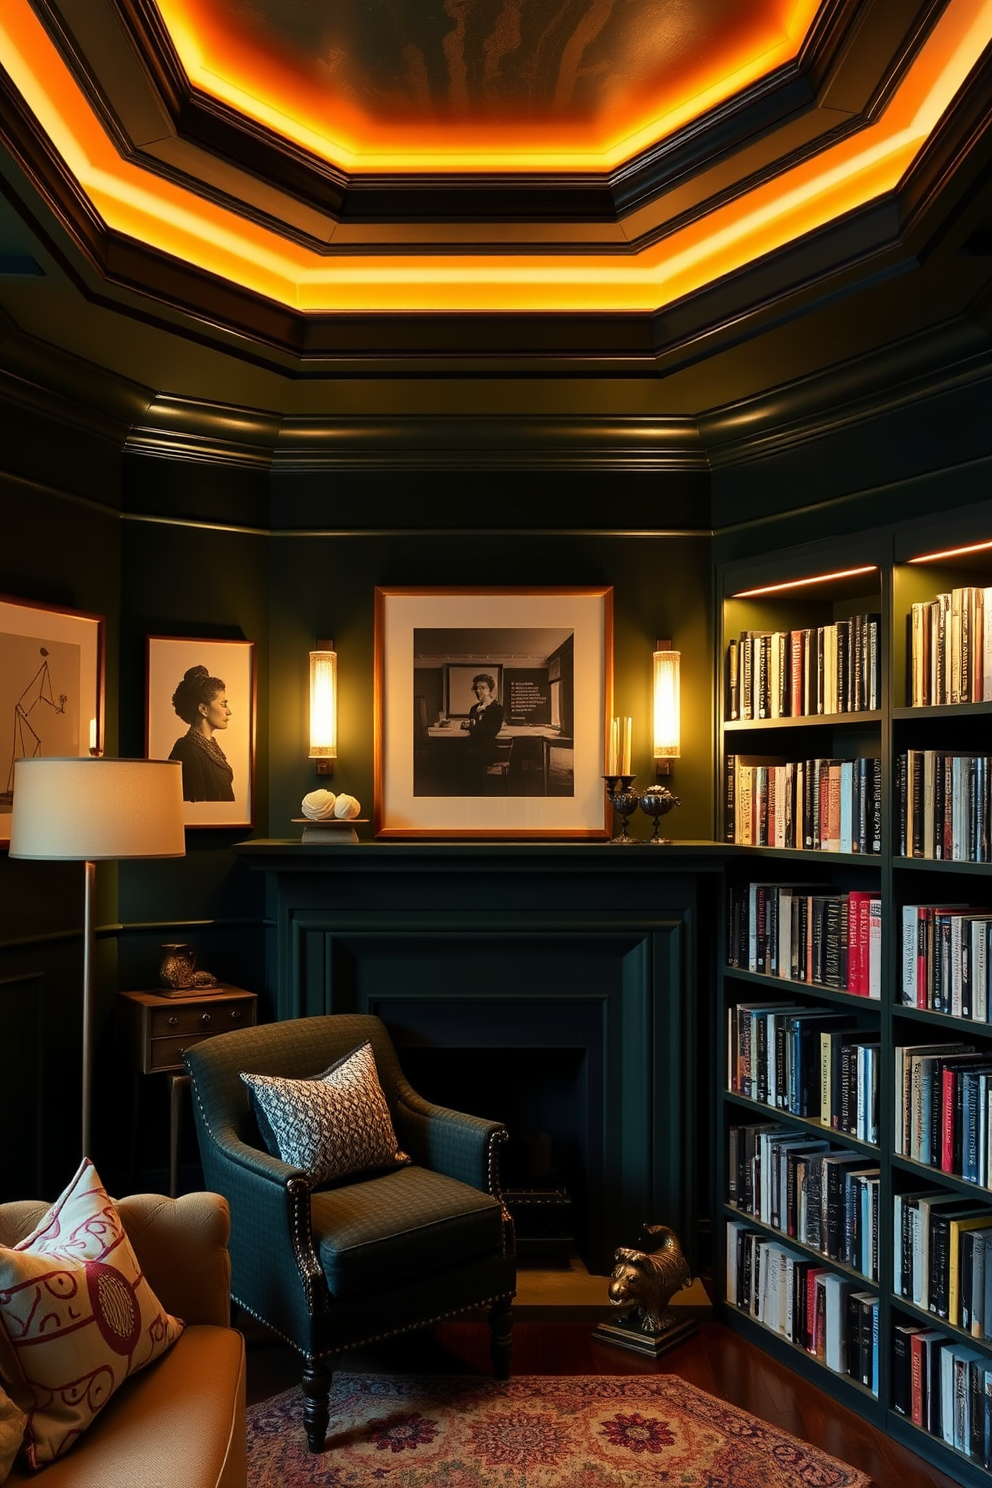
[(316, 1411), (501, 1337)]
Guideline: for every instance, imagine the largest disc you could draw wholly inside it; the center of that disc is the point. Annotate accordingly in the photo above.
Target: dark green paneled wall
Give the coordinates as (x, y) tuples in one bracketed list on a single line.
[(281, 559)]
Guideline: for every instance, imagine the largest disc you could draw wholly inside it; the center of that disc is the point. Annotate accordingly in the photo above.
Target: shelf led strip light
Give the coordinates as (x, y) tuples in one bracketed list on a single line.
[(841, 573), (981, 547)]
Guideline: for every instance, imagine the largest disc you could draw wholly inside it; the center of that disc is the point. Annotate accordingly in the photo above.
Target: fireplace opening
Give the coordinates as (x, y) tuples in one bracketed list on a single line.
[(542, 1096)]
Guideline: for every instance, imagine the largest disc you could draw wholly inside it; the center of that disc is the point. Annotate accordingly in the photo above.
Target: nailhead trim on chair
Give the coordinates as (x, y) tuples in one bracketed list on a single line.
[(375, 1337), (508, 1233), (315, 1290)]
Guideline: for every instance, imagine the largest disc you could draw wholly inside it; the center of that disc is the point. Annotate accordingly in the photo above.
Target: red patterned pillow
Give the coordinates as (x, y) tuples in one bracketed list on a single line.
[(77, 1316)]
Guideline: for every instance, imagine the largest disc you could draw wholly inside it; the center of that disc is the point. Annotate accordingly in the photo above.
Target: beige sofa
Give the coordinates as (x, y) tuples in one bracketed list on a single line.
[(182, 1419)]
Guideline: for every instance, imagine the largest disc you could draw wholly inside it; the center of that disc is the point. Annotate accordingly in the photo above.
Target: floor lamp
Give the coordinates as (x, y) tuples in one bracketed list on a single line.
[(86, 810)]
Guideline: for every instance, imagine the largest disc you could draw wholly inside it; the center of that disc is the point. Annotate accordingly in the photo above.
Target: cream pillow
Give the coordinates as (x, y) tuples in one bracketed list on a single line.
[(12, 1424), (77, 1316), (330, 1125)]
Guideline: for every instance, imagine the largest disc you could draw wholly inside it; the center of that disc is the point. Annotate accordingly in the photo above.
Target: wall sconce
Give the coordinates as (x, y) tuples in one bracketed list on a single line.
[(324, 707), (667, 706)]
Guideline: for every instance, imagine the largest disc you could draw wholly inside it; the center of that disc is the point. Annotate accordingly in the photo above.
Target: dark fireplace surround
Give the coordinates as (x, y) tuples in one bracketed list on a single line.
[(555, 987)]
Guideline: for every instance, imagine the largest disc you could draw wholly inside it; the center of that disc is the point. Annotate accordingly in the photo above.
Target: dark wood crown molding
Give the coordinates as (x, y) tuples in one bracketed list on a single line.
[(124, 59)]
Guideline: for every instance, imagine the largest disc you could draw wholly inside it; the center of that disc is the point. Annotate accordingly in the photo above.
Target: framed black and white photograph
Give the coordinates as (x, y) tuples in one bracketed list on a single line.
[(51, 688), (491, 710), (200, 710)]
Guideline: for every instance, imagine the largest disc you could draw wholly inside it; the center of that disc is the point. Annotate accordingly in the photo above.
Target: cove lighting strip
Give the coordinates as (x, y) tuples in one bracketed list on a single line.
[(841, 573), (981, 547), (137, 203)]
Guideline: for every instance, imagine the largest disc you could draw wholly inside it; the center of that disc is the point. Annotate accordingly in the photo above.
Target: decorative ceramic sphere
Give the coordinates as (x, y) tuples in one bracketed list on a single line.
[(346, 808), (320, 805)]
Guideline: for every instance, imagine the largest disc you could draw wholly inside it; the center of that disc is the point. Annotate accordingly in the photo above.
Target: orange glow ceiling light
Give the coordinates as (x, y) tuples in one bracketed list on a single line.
[(141, 204)]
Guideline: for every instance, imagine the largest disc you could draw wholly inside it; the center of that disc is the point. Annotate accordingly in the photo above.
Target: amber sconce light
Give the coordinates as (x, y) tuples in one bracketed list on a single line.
[(667, 705), (324, 707)]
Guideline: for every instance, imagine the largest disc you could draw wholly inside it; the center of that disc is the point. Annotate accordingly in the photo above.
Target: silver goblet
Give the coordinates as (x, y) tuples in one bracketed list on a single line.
[(657, 802)]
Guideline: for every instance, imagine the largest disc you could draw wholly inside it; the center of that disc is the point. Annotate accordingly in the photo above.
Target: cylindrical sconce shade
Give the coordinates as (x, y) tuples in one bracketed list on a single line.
[(83, 810), (667, 705), (323, 704)]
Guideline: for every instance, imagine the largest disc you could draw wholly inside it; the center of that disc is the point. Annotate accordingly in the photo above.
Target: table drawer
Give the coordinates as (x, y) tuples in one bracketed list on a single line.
[(206, 1017), (167, 1053)]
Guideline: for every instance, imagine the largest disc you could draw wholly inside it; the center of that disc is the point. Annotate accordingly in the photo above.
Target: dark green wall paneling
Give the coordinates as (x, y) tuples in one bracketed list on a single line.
[(530, 499), (61, 550), (215, 547)]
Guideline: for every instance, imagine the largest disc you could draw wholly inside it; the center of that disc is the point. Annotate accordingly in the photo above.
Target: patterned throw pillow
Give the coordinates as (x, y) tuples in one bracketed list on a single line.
[(77, 1316), (12, 1424), (329, 1125)]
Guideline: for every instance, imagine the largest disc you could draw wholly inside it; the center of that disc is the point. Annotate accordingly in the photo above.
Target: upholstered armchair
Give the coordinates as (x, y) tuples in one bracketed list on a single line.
[(335, 1266)]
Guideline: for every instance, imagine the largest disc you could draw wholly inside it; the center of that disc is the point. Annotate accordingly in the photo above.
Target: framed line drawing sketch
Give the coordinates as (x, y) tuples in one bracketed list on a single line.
[(51, 688), (200, 709), (491, 712)]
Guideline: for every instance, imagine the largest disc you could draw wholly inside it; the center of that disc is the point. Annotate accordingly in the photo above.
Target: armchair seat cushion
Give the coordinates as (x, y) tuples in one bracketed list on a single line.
[(393, 1228)]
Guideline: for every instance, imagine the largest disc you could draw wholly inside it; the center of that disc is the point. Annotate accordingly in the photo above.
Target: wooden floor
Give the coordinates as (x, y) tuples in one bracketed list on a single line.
[(716, 1360)]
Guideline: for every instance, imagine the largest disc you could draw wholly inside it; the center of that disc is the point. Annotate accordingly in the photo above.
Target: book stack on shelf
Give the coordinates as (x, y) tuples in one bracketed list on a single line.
[(808, 1061), (943, 805), (947, 959), (817, 805), (944, 1386), (951, 648), (807, 933), (820, 1195), (942, 1101), (830, 1316), (808, 671)]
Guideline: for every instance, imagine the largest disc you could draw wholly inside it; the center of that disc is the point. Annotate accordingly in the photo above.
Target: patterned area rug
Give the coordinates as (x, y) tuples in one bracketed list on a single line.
[(452, 1431)]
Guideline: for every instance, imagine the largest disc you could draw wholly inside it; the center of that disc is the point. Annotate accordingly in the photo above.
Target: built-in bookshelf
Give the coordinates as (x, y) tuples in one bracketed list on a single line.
[(854, 1160)]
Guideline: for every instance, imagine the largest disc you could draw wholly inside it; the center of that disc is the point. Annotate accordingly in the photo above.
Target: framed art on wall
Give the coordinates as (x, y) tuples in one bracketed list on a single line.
[(491, 709), (200, 709), (51, 688)]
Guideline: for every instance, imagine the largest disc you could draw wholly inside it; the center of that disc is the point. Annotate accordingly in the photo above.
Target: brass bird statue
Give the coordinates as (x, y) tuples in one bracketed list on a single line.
[(646, 1281)]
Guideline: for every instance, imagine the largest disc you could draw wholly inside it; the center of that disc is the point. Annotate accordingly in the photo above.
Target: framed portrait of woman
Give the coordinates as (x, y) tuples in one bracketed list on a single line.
[(200, 710), (491, 707)]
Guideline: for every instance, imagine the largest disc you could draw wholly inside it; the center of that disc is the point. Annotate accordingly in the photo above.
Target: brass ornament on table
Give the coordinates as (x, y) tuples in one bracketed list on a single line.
[(178, 973), (657, 801), (642, 1284)]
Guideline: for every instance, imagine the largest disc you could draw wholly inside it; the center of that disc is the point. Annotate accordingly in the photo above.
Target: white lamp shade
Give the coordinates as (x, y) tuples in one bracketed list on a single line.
[(86, 809)]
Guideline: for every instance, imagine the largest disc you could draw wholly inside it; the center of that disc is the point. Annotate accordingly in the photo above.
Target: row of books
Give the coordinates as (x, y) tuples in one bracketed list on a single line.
[(947, 959), (944, 1386), (828, 1315), (801, 673), (941, 1258), (810, 1062), (807, 933), (951, 648), (942, 1099), (831, 805), (943, 806), (820, 1195)]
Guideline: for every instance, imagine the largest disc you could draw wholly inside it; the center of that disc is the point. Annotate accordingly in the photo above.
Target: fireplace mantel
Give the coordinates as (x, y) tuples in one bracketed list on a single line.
[(523, 945)]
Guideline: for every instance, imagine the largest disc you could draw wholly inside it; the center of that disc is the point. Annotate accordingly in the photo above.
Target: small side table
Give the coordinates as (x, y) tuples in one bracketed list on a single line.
[(153, 1030)]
